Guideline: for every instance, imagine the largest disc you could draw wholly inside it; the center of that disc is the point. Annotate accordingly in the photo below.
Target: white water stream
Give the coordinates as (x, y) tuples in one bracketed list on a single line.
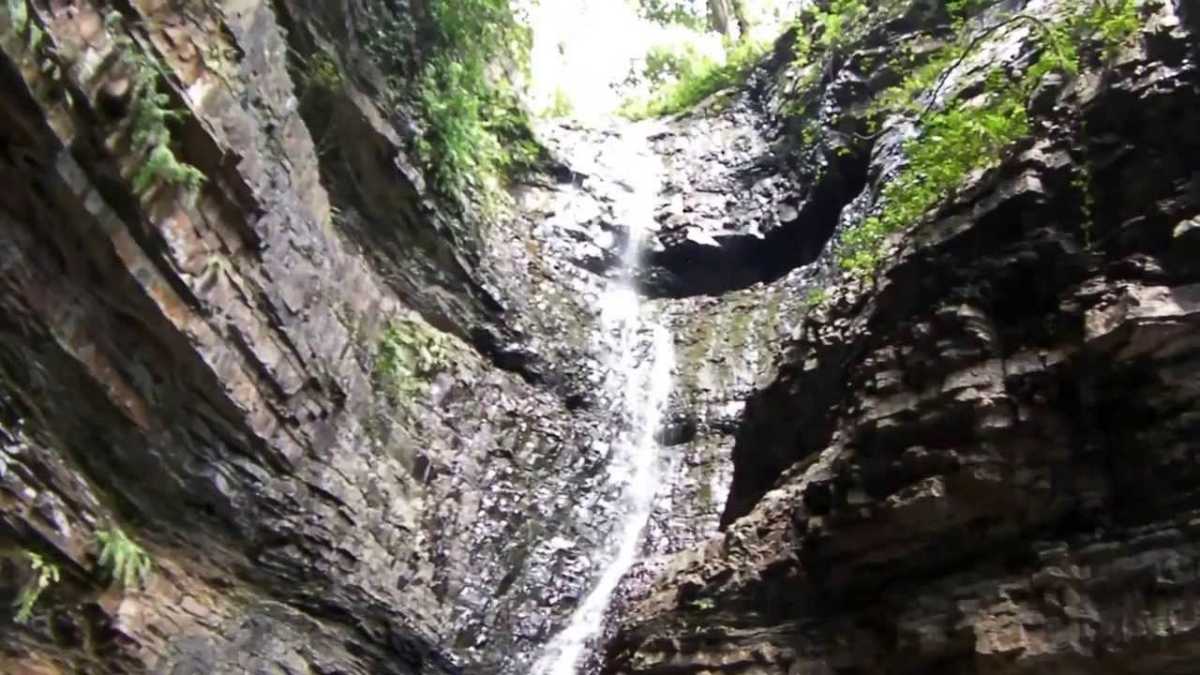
[(638, 357)]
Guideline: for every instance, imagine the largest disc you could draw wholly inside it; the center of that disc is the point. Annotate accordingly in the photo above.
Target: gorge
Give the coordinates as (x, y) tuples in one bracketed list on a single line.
[(878, 357)]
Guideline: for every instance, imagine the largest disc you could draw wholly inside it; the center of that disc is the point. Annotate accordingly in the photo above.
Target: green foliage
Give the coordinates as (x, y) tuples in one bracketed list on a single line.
[(964, 138), (21, 24), (839, 20), (954, 143), (699, 77), (1111, 22), (322, 74), (409, 354), (815, 298), (919, 80), (677, 12), (161, 166), (963, 8), (560, 107), (826, 28), (44, 574), (668, 63), (478, 132), (151, 113), (122, 560), (821, 28), (18, 14)]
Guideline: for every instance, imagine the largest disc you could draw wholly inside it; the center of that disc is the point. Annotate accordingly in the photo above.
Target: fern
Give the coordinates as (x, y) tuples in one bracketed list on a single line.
[(121, 560), (478, 131), (45, 574), (151, 113), (161, 165)]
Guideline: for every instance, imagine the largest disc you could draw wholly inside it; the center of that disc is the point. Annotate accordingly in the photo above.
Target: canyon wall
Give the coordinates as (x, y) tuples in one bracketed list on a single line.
[(357, 425), (982, 459)]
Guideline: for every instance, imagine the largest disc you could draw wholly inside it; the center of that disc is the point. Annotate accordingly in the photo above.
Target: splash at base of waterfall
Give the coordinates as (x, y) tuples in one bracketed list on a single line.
[(638, 354)]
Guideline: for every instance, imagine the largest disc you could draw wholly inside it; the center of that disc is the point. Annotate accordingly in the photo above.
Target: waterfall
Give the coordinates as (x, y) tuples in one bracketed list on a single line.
[(638, 355)]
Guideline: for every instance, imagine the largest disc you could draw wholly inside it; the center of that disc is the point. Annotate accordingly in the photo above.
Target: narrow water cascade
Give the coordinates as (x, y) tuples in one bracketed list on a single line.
[(638, 358)]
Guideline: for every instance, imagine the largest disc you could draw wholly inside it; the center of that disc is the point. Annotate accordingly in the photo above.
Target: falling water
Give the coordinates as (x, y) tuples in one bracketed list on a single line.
[(638, 354)]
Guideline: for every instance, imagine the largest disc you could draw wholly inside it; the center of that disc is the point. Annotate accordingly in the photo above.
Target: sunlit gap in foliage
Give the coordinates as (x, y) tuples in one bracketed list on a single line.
[(590, 58)]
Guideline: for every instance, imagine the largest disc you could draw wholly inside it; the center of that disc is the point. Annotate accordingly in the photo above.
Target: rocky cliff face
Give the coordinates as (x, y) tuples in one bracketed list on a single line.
[(358, 427), (208, 369), (983, 461)]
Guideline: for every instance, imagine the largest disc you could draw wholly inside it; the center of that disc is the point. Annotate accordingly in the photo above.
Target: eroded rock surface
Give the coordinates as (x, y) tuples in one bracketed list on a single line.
[(984, 462)]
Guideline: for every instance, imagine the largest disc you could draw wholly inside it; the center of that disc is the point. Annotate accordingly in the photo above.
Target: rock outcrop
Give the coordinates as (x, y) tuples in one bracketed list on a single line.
[(984, 461), (358, 426), (203, 369)]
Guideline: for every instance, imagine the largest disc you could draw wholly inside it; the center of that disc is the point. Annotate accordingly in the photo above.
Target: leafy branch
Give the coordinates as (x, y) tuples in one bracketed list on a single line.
[(44, 575), (151, 115), (122, 561)]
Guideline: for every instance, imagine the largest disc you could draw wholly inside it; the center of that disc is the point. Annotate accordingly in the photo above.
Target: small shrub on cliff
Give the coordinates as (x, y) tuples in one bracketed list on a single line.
[(815, 298), (824, 27), (956, 142), (478, 131), (1111, 22), (696, 77), (322, 73), (409, 353), (121, 560), (45, 574), (959, 9), (151, 135), (560, 107), (967, 137)]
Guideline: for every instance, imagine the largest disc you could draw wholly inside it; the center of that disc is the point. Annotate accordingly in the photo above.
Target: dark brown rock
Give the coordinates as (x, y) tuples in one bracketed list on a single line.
[(984, 462)]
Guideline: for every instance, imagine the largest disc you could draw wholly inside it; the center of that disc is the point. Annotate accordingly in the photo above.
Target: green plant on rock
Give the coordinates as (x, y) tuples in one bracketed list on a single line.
[(815, 298), (409, 354), (30, 35), (839, 20), (954, 143), (478, 133), (151, 113), (1111, 22), (698, 76), (826, 28), (917, 80), (322, 74), (960, 9), (121, 560), (966, 137), (672, 12), (560, 106), (17, 13), (45, 574)]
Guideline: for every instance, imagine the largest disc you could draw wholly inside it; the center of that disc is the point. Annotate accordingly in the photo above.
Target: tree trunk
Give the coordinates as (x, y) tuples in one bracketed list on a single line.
[(719, 12), (728, 16), (743, 22)]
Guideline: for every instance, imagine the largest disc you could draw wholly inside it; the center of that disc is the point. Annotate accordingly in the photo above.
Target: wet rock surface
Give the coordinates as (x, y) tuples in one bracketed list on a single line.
[(967, 466), (203, 371), (983, 463), (748, 198)]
